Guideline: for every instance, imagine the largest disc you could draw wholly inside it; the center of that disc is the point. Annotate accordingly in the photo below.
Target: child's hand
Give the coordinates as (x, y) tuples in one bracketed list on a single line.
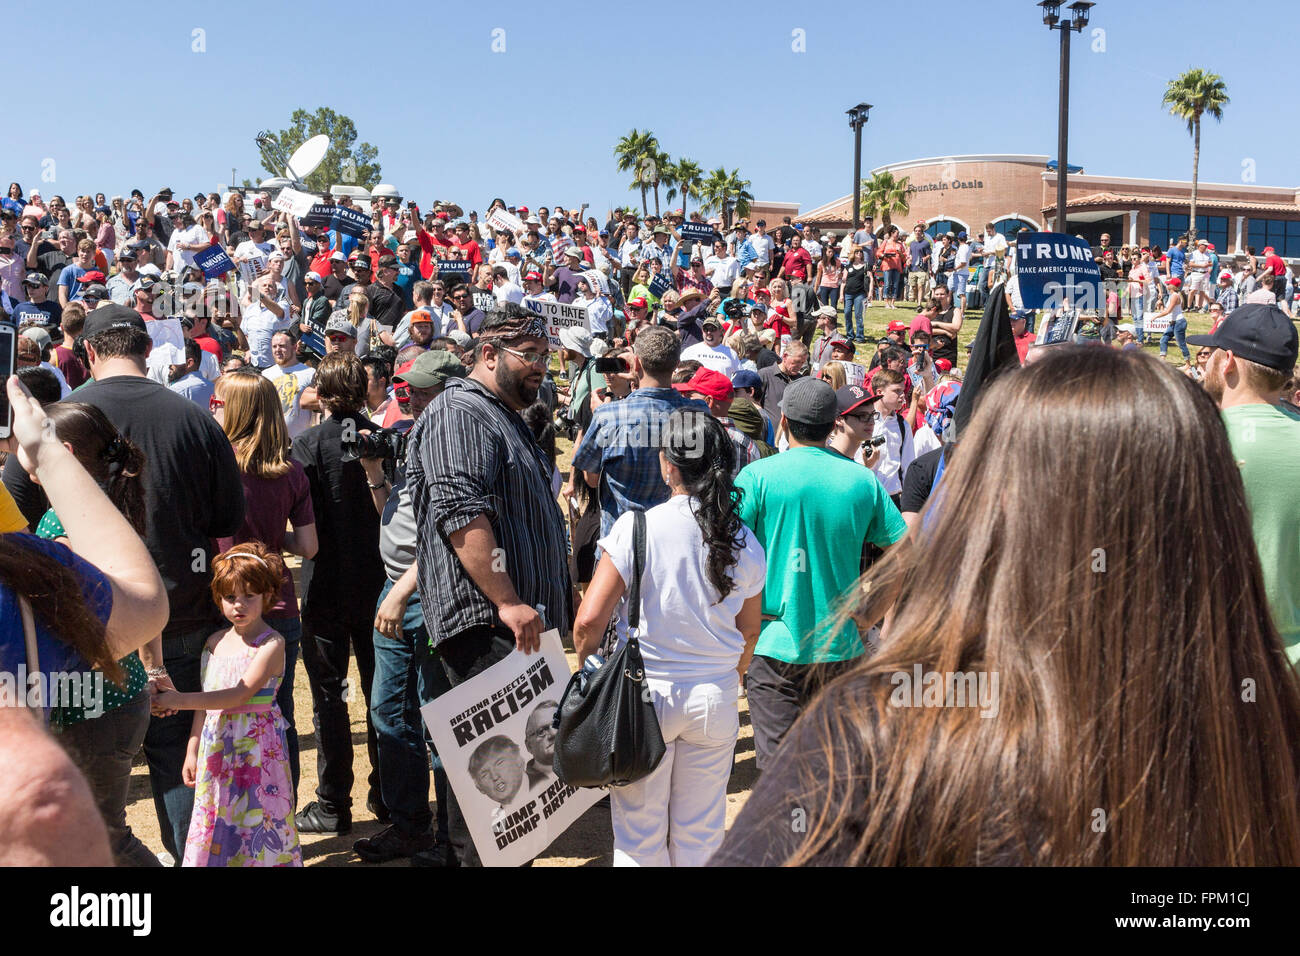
[(164, 702), (190, 769)]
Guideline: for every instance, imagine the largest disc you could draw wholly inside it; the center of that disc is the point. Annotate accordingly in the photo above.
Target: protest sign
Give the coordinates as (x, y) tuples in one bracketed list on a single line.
[(319, 215), (557, 316), (1053, 270), (450, 268), (1157, 324), (350, 221), (1058, 328), (697, 232), (597, 281), (504, 221), (213, 261), (294, 202), (659, 285), (495, 737), (252, 267)]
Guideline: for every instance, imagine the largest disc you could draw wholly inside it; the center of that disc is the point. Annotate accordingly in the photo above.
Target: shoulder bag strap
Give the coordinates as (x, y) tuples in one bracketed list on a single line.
[(638, 566), (33, 654)]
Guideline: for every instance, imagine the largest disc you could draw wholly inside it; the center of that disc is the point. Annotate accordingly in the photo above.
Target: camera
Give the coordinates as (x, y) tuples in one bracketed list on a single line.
[(734, 309), (612, 364), (875, 441), (387, 443)]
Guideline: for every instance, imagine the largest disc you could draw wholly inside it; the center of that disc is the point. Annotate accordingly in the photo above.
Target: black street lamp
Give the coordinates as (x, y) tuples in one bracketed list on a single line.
[(1079, 20), (857, 120)]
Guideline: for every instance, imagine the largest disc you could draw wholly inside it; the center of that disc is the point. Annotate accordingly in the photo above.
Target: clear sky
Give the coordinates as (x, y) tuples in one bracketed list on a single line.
[(719, 83)]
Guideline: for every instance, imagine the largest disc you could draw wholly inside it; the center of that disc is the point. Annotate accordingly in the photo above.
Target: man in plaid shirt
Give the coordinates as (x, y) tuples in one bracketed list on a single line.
[(1227, 294), (619, 453)]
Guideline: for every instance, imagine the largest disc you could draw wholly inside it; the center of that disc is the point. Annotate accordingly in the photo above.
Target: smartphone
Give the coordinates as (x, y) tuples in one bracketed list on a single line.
[(8, 336)]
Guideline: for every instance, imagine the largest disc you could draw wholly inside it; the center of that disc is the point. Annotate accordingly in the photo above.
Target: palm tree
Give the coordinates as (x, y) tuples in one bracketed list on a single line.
[(631, 152), (883, 195), (688, 178), (726, 192), (657, 167), (1189, 97)]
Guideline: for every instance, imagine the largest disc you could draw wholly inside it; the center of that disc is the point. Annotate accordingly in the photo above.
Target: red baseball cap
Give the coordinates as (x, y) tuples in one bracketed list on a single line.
[(943, 365), (533, 277), (579, 228), (898, 325), (708, 382), (1268, 249), (766, 292), (522, 210), (94, 275), (1175, 282), (637, 303)]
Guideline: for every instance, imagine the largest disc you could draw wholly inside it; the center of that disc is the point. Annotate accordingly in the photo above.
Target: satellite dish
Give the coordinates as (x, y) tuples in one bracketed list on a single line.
[(357, 193), (306, 158)]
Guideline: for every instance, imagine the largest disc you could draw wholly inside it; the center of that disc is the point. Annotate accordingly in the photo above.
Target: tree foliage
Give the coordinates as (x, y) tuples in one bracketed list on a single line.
[(345, 162)]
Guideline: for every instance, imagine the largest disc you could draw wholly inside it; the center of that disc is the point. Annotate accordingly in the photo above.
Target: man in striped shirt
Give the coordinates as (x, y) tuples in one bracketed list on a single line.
[(491, 544)]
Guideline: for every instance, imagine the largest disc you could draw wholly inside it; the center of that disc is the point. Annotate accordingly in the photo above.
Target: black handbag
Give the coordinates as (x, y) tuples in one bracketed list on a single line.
[(608, 733)]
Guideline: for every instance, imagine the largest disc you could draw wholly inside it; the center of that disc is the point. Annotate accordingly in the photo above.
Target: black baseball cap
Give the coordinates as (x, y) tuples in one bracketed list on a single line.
[(1258, 333), (109, 317)]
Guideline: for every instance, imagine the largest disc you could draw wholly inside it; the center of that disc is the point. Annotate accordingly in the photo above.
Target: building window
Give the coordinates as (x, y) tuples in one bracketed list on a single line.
[(940, 226), (1011, 225), (1282, 234), (1166, 227)]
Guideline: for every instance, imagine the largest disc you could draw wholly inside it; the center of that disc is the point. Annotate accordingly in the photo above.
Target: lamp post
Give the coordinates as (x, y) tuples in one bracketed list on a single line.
[(857, 120), (1079, 20)]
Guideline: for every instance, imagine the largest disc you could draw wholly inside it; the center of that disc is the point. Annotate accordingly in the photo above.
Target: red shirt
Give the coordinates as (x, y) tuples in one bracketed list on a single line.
[(68, 363), (471, 251), (1023, 342), (431, 247), (797, 263), (1274, 263), (209, 345)]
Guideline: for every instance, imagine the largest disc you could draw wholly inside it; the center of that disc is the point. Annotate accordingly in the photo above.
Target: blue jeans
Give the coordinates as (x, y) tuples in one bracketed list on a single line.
[(407, 674), (893, 283), (290, 629), (1178, 329), (1135, 308), (853, 305), (168, 738)]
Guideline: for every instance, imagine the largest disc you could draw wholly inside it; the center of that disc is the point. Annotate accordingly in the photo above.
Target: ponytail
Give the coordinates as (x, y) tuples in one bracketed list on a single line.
[(702, 450)]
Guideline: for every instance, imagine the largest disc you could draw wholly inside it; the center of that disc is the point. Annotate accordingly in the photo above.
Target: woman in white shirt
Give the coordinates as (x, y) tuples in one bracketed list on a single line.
[(701, 600)]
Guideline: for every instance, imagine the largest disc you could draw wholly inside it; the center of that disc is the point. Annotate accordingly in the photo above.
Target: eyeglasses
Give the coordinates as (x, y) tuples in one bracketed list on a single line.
[(214, 403), (532, 358), (339, 337)]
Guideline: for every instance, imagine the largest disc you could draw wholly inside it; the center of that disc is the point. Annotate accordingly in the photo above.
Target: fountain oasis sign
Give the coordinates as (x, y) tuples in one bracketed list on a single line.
[(942, 186)]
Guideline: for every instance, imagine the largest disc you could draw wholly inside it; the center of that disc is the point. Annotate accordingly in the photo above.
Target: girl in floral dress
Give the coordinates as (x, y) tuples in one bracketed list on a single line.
[(237, 759)]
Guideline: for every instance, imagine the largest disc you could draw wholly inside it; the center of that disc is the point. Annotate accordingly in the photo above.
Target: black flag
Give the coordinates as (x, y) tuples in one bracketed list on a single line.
[(993, 352)]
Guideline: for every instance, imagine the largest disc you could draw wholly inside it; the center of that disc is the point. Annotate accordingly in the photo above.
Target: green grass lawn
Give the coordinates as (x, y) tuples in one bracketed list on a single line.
[(876, 319)]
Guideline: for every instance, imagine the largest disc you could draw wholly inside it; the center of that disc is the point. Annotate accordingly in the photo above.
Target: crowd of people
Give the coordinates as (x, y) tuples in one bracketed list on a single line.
[(818, 521)]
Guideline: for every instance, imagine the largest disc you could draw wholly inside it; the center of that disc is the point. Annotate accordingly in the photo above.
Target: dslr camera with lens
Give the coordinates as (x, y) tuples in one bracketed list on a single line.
[(388, 444)]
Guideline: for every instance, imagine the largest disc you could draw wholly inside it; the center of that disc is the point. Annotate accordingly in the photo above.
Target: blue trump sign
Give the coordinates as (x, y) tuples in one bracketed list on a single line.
[(213, 261), (454, 267), (1054, 270), (659, 285), (697, 232), (350, 221)]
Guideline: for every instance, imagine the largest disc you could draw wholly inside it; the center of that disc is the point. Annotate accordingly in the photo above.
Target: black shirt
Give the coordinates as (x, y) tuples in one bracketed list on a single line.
[(332, 288), (766, 357), (385, 305), (918, 480), (347, 573), (192, 488), (943, 345)]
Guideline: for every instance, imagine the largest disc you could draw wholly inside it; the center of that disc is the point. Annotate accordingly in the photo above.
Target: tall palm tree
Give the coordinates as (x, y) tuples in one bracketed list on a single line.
[(688, 178), (884, 195), (1189, 97), (631, 151), (727, 193), (657, 166)]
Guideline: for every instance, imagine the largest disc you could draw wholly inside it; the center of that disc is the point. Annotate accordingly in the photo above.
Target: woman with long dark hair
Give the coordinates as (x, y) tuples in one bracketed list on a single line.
[(104, 736), (1113, 692), (701, 597)]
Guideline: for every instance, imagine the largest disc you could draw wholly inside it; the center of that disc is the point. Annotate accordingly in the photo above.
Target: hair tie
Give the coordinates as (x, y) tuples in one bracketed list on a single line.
[(114, 448)]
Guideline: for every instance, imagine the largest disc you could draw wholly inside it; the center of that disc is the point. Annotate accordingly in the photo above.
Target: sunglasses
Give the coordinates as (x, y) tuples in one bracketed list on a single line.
[(339, 337)]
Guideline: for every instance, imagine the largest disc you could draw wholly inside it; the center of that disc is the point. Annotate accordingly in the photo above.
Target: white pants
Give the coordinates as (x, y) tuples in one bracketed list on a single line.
[(677, 816)]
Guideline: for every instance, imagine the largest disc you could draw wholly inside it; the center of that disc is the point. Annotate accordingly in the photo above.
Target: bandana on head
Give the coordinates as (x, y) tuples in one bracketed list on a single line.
[(515, 327)]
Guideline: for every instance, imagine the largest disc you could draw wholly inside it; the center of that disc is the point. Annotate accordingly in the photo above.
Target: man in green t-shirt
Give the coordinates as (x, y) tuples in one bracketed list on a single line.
[(812, 509), (1254, 356)]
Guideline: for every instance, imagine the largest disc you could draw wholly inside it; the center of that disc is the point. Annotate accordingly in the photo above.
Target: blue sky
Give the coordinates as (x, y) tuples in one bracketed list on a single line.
[(537, 122)]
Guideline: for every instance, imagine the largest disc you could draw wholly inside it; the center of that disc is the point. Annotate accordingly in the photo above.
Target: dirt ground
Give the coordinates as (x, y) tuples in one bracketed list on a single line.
[(589, 842)]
